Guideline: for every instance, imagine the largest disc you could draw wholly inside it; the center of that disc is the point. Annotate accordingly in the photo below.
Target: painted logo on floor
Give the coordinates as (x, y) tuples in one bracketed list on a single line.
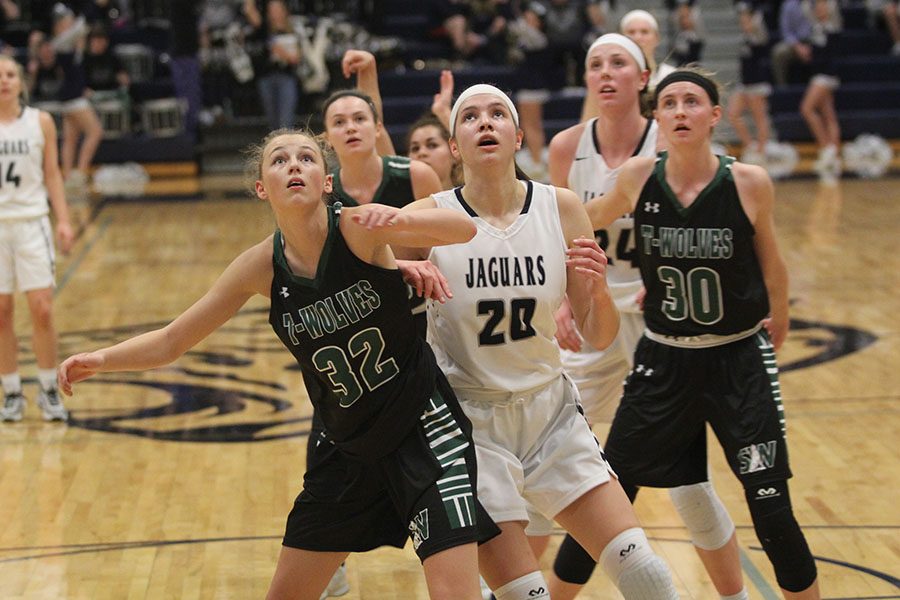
[(220, 396)]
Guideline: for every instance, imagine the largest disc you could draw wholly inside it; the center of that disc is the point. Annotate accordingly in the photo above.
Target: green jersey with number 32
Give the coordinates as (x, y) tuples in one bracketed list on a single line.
[(351, 327)]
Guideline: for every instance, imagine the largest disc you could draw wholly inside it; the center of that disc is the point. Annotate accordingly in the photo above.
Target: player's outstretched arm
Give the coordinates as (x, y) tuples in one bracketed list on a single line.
[(249, 274), (621, 200)]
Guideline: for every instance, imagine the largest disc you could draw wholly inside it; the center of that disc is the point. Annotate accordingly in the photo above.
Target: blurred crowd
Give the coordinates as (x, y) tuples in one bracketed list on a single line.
[(104, 66)]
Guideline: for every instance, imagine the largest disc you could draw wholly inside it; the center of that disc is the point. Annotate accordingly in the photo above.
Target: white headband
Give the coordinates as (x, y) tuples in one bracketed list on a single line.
[(639, 14), (481, 88), (619, 40)]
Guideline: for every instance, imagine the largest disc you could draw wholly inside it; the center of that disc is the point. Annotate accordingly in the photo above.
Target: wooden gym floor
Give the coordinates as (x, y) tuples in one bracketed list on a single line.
[(176, 483)]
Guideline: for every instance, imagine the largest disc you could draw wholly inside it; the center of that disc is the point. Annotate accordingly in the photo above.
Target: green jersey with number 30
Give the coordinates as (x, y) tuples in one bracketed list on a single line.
[(351, 328), (698, 262)]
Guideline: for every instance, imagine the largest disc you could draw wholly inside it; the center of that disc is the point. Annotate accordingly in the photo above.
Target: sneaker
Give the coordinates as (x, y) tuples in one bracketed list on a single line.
[(338, 586), (13, 407), (52, 406), (828, 165), (76, 181)]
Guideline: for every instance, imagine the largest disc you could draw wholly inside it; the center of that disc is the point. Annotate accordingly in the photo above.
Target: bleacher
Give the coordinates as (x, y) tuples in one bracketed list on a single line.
[(868, 100)]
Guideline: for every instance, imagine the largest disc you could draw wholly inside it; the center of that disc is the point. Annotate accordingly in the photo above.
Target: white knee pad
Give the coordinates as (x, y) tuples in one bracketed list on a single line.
[(703, 514), (526, 587), (635, 569)]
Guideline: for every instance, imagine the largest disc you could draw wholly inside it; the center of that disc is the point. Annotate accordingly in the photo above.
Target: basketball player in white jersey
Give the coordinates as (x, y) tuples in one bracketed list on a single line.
[(587, 158), (29, 178), (494, 340)]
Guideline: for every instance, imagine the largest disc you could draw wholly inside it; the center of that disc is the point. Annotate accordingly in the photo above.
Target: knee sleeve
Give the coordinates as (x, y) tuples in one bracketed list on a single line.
[(573, 564), (703, 514), (780, 535), (635, 569), (526, 587)]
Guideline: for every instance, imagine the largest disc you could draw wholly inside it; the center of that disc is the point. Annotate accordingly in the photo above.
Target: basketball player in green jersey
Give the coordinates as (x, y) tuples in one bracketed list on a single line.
[(716, 309), (335, 290)]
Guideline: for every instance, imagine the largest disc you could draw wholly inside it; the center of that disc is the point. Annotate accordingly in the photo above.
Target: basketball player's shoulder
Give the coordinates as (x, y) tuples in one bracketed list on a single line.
[(566, 141)]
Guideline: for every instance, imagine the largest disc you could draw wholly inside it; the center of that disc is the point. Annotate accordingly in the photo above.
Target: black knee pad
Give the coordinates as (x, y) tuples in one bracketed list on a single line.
[(780, 535), (573, 564)]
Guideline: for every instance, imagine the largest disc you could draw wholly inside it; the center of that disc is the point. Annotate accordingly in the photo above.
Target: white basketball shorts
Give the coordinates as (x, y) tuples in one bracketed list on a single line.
[(27, 259), (533, 449)]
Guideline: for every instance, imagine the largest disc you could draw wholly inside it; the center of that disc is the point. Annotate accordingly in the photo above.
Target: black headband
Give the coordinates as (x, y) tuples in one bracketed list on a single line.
[(705, 82)]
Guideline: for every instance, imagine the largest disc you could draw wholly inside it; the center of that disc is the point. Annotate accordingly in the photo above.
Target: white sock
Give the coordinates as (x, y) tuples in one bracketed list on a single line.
[(741, 595), (12, 383), (47, 379)]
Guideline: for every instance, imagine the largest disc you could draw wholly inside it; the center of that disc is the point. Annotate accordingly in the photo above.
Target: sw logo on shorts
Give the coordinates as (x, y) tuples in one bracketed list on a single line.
[(418, 527), (757, 457)]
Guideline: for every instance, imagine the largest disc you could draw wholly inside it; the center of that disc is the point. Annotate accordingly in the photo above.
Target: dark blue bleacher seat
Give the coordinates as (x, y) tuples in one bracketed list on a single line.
[(856, 16)]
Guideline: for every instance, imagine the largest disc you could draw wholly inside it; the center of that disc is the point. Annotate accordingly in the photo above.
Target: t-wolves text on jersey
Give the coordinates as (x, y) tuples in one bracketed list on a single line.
[(698, 262), (350, 328)]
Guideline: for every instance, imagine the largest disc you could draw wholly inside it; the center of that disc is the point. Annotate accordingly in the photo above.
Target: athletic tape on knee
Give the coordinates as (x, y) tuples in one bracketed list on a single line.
[(780, 535), (527, 587), (703, 514), (636, 570), (573, 564)]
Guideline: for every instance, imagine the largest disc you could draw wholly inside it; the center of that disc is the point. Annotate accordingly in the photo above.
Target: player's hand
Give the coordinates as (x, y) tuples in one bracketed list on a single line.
[(426, 279), (567, 335), (589, 261), (640, 297), (355, 61), (65, 235), (443, 100), (777, 327), (376, 216), (78, 368)]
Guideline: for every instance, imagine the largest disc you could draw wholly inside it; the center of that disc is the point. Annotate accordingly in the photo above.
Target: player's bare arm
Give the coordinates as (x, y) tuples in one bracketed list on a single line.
[(593, 308), (621, 200), (757, 196)]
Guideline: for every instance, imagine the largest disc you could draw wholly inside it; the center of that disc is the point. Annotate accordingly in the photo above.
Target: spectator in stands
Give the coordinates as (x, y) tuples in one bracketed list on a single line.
[(889, 12), (566, 24), (103, 69), (795, 28), (817, 106), (184, 62), (687, 43), (489, 21), (216, 18), (597, 12), (107, 79), (108, 13), (447, 19), (9, 11), (536, 77), (45, 77), (476, 29), (79, 118), (753, 92), (276, 70)]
